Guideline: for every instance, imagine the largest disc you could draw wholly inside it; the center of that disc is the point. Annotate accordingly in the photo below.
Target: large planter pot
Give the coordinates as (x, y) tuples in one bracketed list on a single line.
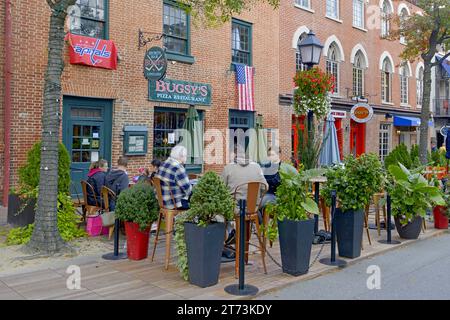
[(137, 241), (440, 219), (296, 239), (349, 232), (204, 247), (410, 230), (26, 216)]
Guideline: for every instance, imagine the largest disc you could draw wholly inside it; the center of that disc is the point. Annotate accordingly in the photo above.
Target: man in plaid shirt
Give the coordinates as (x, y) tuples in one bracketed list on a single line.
[(175, 181)]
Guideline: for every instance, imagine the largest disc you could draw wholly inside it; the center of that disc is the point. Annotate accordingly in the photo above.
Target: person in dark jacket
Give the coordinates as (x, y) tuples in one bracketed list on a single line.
[(96, 178), (117, 180)]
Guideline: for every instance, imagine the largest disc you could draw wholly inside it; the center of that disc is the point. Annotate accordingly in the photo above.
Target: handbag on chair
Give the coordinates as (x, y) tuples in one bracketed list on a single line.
[(108, 218)]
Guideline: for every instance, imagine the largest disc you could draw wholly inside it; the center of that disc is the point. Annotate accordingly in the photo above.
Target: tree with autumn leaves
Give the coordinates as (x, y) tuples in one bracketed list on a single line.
[(425, 35)]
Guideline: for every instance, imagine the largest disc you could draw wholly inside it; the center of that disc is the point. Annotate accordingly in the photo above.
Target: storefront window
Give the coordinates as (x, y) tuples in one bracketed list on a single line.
[(88, 18), (385, 140)]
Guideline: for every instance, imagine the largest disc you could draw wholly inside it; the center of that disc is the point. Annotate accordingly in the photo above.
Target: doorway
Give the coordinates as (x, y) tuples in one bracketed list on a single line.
[(357, 138), (87, 131)]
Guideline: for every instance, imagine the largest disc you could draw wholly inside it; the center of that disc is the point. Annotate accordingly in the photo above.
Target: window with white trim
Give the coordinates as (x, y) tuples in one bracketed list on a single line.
[(403, 18), (386, 11), (358, 13), (419, 86), (303, 3), (333, 9), (358, 75), (385, 140), (386, 81), (333, 65), (404, 87), (299, 66)]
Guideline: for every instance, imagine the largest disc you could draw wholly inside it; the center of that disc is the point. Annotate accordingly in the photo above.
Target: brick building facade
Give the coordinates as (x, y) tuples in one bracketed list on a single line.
[(103, 102)]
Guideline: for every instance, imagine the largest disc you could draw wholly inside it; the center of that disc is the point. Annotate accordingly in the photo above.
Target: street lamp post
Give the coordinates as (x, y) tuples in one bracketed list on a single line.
[(310, 51)]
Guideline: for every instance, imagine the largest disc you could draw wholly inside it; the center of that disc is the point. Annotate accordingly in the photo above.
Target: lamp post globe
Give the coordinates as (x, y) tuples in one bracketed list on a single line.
[(310, 50)]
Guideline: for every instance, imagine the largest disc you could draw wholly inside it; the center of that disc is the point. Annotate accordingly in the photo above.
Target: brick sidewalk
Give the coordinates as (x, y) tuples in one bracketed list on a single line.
[(146, 280)]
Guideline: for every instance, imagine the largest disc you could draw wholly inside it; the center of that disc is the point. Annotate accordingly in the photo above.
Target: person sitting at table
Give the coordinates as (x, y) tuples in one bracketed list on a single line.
[(175, 180), (271, 172), (117, 179), (96, 178), (237, 173), (154, 167)]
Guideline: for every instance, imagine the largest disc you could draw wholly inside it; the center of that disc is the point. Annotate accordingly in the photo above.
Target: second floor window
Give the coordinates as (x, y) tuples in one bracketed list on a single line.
[(358, 76), (404, 87), (386, 81), (386, 11), (88, 18), (175, 29), (358, 13), (333, 9), (241, 47), (303, 3), (333, 66)]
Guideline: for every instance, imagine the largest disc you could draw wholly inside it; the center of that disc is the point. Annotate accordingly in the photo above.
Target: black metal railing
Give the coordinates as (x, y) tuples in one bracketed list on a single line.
[(442, 107)]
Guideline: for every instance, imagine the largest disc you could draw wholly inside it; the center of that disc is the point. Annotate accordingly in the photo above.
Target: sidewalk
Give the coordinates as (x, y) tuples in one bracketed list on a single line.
[(3, 215), (126, 279)]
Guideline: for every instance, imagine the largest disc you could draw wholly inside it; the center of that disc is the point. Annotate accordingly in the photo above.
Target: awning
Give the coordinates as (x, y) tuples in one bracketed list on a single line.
[(402, 121), (445, 64)]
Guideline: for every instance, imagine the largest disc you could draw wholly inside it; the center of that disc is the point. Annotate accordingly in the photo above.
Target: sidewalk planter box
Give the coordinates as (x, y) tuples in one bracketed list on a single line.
[(411, 230), (204, 246), (137, 241), (440, 219), (296, 239), (26, 216), (349, 232)]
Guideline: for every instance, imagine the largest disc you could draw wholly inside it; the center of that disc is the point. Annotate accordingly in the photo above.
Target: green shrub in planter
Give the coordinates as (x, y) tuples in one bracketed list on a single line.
[(211, 202), (411, 193), (138, 204)]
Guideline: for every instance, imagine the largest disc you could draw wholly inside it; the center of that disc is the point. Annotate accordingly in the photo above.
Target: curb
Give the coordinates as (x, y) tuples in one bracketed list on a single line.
[(350, 262)]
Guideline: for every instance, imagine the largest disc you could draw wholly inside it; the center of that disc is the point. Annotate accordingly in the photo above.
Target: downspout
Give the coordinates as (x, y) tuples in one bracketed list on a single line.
[(7, 101)]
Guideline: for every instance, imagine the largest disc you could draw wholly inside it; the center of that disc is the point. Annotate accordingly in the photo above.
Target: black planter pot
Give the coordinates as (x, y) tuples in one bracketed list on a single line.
[(349, 231), (26, 216), (295, 245), (204, 251), (411, 230)]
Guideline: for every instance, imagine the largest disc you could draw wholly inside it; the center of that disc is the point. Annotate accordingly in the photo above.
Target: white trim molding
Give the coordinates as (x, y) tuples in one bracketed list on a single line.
[(408, 64), (419, 65), (327, 45), (384, 56), (355, 50), (402, 6), (390, 3), (301, 30)]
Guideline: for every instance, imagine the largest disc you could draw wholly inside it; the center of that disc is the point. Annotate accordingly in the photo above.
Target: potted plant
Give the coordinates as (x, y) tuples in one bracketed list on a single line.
[(441, 214), (411, 195), (138, 208), (355, 183), (200, 231), (294, 211)]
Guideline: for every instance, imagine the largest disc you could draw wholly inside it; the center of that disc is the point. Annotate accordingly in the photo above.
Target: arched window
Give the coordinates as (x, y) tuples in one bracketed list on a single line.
[(386, 81), (386, 11), (333, 65), (404, 87), (298, 56), (403, 17), (419, 86), (358, 74)]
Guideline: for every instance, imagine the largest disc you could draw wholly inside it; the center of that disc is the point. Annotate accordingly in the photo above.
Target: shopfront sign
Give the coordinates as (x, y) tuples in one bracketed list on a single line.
[(339, 114), (177, 91), (155, 64), (92, 52), (361, 113)]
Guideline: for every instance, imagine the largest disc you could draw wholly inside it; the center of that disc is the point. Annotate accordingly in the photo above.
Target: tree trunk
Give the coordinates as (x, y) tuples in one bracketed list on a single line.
[(425, 115), (46, 238)]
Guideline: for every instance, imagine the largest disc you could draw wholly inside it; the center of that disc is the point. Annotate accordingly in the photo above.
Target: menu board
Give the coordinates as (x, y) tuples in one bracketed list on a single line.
[(136, 144)]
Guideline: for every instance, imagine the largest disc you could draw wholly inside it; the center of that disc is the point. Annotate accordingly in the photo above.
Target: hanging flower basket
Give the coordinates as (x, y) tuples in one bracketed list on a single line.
[(312, 93)]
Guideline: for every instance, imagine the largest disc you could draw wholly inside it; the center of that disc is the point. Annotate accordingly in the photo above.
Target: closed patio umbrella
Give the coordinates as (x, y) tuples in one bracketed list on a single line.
[(194, 140), (329, 154), (258, 145)]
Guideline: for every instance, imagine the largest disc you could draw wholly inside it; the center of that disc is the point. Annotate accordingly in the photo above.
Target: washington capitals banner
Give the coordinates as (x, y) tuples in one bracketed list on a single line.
[(92, 52)]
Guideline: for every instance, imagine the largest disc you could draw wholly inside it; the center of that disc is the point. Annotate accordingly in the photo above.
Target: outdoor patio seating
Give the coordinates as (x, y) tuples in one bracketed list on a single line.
[(90, 209), (106, 194)]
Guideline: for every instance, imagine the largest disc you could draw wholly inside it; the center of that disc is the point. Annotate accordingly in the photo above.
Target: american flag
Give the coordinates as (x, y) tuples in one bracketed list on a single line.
[(246, 88)]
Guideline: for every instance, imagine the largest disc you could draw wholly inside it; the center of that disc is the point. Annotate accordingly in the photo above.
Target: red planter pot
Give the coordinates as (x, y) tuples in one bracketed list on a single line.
[(137, 241), (440, 220)]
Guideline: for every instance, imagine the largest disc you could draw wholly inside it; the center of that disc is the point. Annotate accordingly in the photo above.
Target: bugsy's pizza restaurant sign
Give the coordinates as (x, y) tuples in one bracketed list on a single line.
[(177, 91), (361, 113)]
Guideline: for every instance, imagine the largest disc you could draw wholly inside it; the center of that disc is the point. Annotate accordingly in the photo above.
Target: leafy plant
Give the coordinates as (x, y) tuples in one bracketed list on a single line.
[(399, 154), (211, 202), (355, 182), (438, 158), (411, 193), (29, 174), (68, 222), (309, 147), (138, 204)]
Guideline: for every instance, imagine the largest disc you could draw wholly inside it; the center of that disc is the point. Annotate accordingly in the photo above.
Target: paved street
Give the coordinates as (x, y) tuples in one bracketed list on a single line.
[(418, 271)]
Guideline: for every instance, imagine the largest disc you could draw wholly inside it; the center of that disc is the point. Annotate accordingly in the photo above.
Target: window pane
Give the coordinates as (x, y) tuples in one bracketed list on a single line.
[(332, 8), (175, 29), (240, 43), (358, 13), (87, 18)]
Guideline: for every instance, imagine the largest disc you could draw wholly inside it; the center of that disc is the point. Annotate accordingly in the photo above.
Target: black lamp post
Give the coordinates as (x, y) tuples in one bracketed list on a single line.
[(310, 50)]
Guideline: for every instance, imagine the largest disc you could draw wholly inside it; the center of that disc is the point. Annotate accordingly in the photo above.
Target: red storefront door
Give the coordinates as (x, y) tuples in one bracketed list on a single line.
[(357, 138), (340, 136)]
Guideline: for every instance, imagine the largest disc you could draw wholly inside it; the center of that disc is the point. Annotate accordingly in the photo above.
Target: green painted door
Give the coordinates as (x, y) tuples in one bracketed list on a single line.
[(87, 129)]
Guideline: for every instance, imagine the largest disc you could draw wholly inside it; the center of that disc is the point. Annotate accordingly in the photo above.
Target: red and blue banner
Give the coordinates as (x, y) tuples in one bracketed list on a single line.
[(92, 52)]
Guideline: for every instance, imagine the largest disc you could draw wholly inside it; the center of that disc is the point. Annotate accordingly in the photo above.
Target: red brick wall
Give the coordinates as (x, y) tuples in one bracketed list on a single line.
[(2, 63)]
